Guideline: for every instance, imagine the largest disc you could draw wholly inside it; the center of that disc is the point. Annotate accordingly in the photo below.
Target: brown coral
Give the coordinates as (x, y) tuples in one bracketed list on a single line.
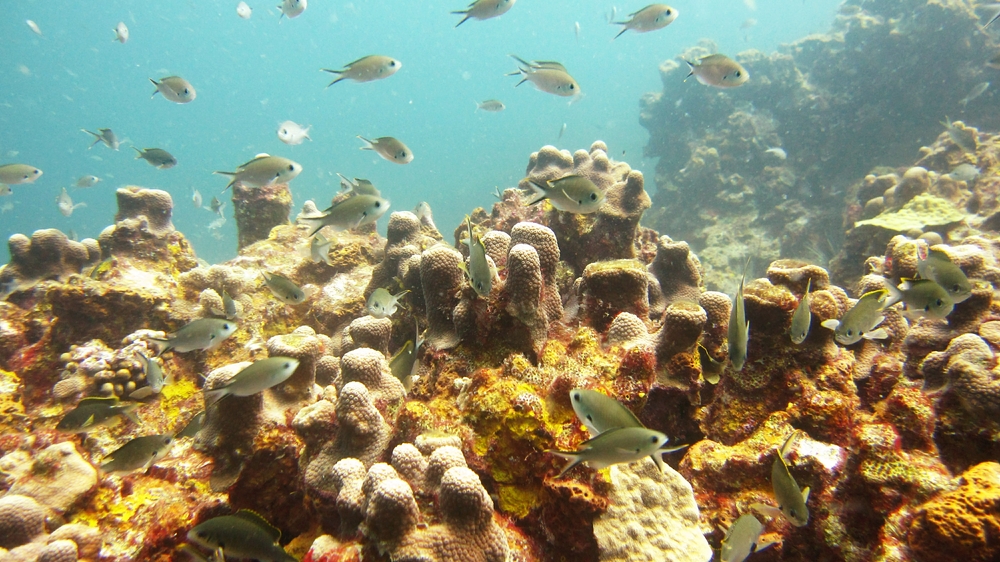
[(369, 367), (440, 277), (678, 272), (301, 344), (613, 287), (153, 206), (48, 254), (259, 209), (22, 519), (367, 331)]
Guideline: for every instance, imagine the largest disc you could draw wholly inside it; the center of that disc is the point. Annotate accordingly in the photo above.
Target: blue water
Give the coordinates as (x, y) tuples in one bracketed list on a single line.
[(252, 75)]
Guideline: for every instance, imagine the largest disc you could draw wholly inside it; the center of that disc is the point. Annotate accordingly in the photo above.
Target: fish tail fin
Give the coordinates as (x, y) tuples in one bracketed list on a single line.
[(369, 145), (540, 193), (573, 458), (691, 73), (315, 224), (129, 412), (624, 29), (766, 510), (895, 295), (156, 91), (467, 16), (213, 397), (522, 62), (138, 152)]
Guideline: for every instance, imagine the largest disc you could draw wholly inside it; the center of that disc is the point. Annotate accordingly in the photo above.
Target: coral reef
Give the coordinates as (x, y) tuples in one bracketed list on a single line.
[(48, 254), (259, 209)]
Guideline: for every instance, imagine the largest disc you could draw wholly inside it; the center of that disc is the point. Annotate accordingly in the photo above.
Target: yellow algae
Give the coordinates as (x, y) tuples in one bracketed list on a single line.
[(552, 354), (173, 394), (518, 501)]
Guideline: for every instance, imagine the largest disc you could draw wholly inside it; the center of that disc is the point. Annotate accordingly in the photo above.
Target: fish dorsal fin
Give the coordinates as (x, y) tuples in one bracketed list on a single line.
[(255, 518), (98, 401), (831, 324), (261, 155)]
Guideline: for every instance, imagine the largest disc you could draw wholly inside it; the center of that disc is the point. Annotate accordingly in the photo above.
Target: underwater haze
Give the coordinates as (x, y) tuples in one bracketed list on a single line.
[(251, 75)]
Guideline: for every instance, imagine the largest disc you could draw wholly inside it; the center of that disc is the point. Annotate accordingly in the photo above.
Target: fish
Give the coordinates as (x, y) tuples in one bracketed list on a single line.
[(576, 30), (94, 412), (155, 380), (964, 172), (562, 130), (242, 535), (619, 445), (547, 76), (86, 181), (292, 8), (65, 203), (791, 500), (256, 377), (284, 289), (389, 148), (742, 539), (479, 272), (359, 185), (15, 174), (290, 132), (316, 249), (201, 334), (138, 453), (106, 136), (263, 170), (484, 10), (193, 426), (216, 206), (5, 190), (922, 297), (939, 268), (121, 33), (382, 304), (228, 306), (175, 89), (976, 91), (366, 69), (491, 106), (217, 223), (572, 194), (38, 31), (245, 11), (650, 18), (861, 320), (739, 326), (801, 318), (354, 212), (711, 370), (402, 364), (156, 157), (964, 138), (777, 152), (196, 198), (989, 23), (719, 71), (599, 412)]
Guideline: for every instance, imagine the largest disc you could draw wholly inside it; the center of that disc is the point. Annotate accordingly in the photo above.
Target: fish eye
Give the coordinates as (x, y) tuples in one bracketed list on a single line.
[(667, 13), (572, 86), (392, 63), (850, 332), (593, 197), (939, 303), (186, 91), (291, 167), (378, 204), (576, 396), (652, 439), (225, 326), (738, 74), (287, 365)]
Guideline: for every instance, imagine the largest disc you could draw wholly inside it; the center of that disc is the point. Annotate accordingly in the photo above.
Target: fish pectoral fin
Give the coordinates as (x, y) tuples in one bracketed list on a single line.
[(805, 494), (879, 334), (831, 324), (767, 510)]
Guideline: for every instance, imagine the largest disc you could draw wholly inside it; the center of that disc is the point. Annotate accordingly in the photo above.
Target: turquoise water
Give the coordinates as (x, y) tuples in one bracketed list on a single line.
[(251, 75)]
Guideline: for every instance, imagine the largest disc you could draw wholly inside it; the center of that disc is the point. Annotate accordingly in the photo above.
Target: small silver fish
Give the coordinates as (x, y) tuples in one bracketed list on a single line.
[(201, 334), (243, 535), (292, 8), (389, 148), (139, 453), (739, 327), (196, 198), (492, 106), (291, 133), (5, 190), (106, 136), (963, 137), (94, 412), (777, 152), (650, 18), (976, 91), (175, 89), (711, 370), (719, 71), (316, 249), (245, 11), (263, 170), (360, 186), (562, 130), (484, 10), (801, 318), (382, 304), (216, 206), (193, 426), (922, 297), (403, 364), (860, 321), (963, 172), (939, 268), (354, 212), (256, 377), (619, 445), (15, 174), (121, 33), (228, 306), (155, 379), (156, 157), (547, 76), (34, 27), (600, 412), (86, 181), (791, 500), (479, 272), (742, 539), (366, 69), (572, 194), (283, 288), (65, 203)]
